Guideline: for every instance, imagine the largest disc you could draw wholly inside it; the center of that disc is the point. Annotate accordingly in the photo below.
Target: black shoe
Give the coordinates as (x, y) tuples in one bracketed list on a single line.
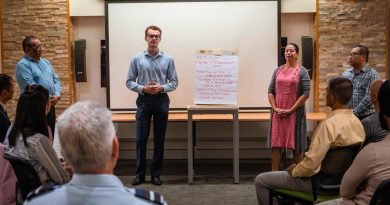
[(156, 181), (137, 180)]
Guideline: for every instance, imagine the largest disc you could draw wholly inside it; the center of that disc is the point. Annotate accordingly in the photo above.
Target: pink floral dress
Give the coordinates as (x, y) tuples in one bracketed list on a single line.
[(283, 127)]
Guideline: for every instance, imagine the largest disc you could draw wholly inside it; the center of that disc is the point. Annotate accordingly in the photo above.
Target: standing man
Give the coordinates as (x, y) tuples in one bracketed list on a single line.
[(372, 126), (6, 93), (151, 74), (362, 76), (32, 69)]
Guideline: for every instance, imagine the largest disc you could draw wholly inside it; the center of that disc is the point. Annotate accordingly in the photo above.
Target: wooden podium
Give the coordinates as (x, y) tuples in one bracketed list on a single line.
[(191, 129)]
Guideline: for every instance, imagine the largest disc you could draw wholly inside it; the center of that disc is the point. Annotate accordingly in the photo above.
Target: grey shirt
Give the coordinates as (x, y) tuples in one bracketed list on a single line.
[(373, 129), (41, 155)]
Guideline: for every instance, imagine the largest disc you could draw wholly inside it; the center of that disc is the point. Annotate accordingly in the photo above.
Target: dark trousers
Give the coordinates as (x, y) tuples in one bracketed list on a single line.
[(51, 119), (149, 106)]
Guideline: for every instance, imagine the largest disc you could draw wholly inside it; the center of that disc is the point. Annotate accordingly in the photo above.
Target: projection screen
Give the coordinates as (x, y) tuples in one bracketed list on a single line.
[(251, 27)]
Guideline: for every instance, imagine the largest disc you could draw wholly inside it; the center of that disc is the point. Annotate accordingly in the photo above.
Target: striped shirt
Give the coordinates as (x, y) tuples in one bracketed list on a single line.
[(361, 100), (41, 155)]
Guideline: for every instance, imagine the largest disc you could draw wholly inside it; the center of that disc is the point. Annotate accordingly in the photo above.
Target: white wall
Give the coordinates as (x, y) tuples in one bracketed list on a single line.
[(296, 25), (298, 6), (86, 7), (91, 29)]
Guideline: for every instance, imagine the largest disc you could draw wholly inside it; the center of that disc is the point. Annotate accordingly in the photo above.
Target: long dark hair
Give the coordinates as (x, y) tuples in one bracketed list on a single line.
[(30, 117), (39, 89)]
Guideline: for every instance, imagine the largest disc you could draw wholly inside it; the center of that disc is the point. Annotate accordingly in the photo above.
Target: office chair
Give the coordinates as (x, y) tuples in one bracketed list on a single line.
[(326, 183), (27, 177), (382, 193)]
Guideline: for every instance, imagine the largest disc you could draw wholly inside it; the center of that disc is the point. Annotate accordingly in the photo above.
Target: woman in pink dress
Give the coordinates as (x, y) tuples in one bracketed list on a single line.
[(288, 91)]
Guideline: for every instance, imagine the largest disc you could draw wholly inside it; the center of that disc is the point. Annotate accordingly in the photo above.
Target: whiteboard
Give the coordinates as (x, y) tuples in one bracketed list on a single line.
[(251, 27)]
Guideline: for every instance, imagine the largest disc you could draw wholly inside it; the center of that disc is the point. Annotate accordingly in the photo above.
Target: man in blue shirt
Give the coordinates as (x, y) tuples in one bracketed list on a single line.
[(151, 74), (362, 76), (32, 69)]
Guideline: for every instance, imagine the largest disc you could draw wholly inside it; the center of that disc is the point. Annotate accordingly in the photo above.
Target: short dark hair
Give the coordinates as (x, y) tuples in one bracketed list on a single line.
[(26, 43), (384, 101), (342, 88), (363, 50), (295, 47), (5, 82), (152, 27)]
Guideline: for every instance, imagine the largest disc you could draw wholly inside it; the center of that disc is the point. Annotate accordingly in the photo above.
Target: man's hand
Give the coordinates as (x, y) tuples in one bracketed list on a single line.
[(290, 168), (54, 99), (153, 88)]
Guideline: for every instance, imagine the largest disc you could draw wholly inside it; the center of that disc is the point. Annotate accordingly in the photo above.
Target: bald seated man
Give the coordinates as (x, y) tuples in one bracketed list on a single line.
[(89, 144), (371, 124)]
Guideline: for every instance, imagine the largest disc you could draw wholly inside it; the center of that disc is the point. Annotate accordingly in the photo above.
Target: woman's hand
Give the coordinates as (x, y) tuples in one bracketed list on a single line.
[(277, 110), (67, 167), (285, 112)]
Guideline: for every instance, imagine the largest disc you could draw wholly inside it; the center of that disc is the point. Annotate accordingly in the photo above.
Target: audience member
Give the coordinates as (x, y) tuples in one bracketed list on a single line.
[(6, 93), (7, 175), (88, 142), (28, 138), (7, 181), (371, 124), (45, 93), (361, 75), (340, 128), (372, 165)]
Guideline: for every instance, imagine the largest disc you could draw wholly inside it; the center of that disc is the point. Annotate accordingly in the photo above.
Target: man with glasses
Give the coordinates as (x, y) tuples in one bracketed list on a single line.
[(32, 69), (362, 76), (151, 74)]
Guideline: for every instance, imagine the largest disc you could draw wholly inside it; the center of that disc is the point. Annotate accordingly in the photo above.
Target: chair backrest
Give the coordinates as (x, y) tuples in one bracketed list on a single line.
[(381, 194), (336, 162), (27, 177)]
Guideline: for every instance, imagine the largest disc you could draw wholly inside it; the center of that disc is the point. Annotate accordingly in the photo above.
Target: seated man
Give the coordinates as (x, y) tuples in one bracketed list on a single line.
[(89, 144), (372, 165), (6, 93), (340, 128), (374, 131)]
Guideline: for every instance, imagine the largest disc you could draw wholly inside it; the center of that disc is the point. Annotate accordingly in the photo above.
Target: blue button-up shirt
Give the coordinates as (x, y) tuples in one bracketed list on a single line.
[(29, 71), (145, 68), (96, 189), (361, 100)]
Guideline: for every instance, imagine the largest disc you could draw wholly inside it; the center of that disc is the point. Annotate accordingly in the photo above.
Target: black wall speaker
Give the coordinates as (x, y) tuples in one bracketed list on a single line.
[(308, 54), (103, 67), (283, 44), (80, 60)]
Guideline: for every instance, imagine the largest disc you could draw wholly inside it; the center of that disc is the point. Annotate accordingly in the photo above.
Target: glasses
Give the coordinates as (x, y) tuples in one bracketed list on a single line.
[(153, 36), (37, 47), (354, 54)]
